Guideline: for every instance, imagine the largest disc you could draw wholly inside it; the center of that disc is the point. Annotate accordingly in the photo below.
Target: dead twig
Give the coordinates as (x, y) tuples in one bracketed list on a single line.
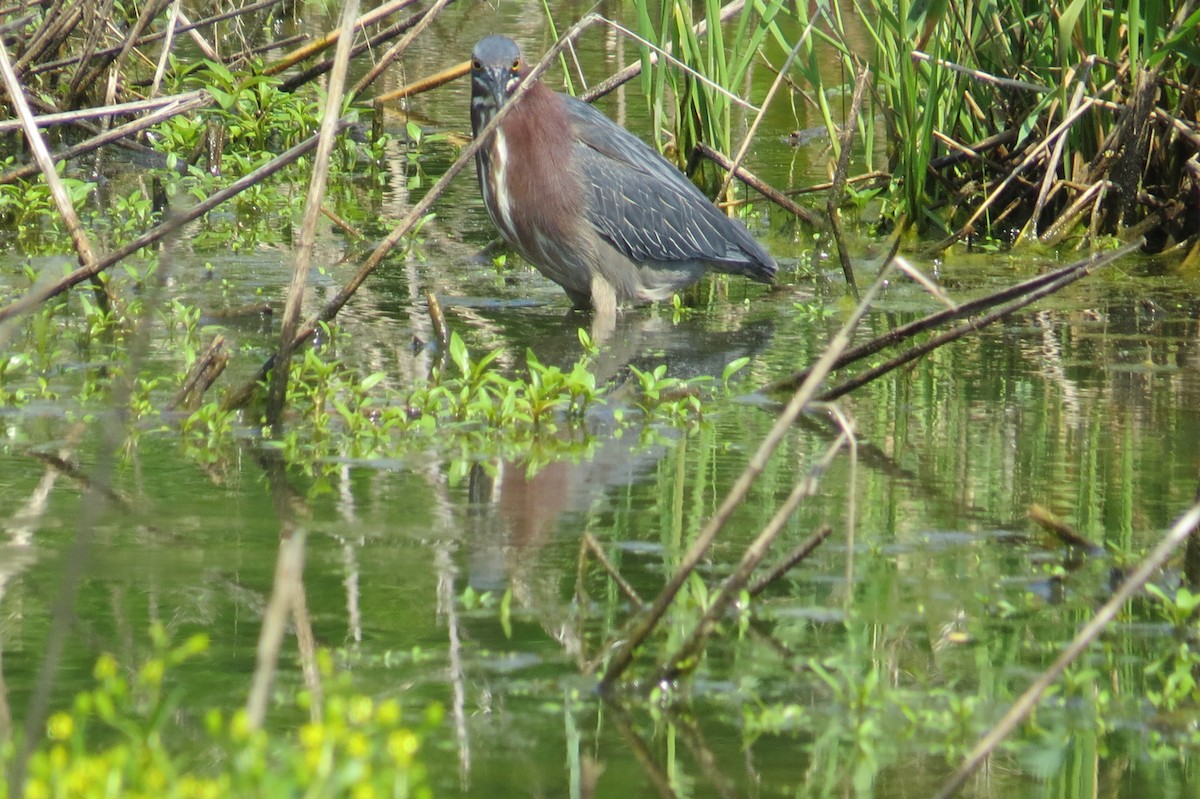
[(324, 43), (834, 200), (592, 545), (904, 332), (1065, 533), (41, 154), (204, 372)]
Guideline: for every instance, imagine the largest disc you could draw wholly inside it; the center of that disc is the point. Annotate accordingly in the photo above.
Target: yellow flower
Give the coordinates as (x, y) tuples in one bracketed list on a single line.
[(60, 726), (360, 709), (388, 713)]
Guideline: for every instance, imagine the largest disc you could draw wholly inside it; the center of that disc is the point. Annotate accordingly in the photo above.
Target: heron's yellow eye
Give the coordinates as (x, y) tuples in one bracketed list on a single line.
[(475, 64), (516, 67)]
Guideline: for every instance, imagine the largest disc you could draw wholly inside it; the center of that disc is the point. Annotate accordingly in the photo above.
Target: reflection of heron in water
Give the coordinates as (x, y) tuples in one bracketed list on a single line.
[(516, 510)]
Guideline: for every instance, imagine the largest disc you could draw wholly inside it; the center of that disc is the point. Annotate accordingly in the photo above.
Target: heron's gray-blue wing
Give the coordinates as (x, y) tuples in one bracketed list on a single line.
[(648, 209)]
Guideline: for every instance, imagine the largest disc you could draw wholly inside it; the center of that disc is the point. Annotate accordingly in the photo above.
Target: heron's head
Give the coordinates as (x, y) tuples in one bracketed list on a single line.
[(496, 72)]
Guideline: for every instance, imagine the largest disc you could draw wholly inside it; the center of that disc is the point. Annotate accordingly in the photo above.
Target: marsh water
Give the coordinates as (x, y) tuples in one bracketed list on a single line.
[(454, 578)]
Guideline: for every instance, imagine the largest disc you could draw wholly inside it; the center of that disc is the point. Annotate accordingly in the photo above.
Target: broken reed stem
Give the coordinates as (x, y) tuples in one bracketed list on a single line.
[(1074, 273), (593, 546), (117, 109), (277, 396), (399, 48), (426, 84), (1179, 532), (201, 100), (416, 214), (293, 82), (36, 296), (437, 318), (204, 372), (687, 656), (623, 656), (149, 12), (1056, 152), (834, 200)]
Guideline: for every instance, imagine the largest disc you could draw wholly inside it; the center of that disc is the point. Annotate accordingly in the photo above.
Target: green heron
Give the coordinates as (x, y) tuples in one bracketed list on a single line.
[(588, 203)]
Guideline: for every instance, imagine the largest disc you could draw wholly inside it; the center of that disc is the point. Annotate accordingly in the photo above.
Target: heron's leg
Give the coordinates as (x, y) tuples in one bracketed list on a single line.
[(604, 309)]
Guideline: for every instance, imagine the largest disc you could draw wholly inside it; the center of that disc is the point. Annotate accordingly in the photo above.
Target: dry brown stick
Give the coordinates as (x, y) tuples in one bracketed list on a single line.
[(193, 32), (799, 401), (277, 395), (327, 41), (622, 584), (1065, 533), (55, 27), (1058, 231), (633, 70), (759, 185), (112, 135), (398, 49), (98, 21), (834, 200), (34, 297), (425, 84), (686, 658), (789, 561), (204, 372), (1179, 532), (84, 479), (815, 188), (41, 154), (975, 150), (1075, 272), (437, 318), (416, 214)]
